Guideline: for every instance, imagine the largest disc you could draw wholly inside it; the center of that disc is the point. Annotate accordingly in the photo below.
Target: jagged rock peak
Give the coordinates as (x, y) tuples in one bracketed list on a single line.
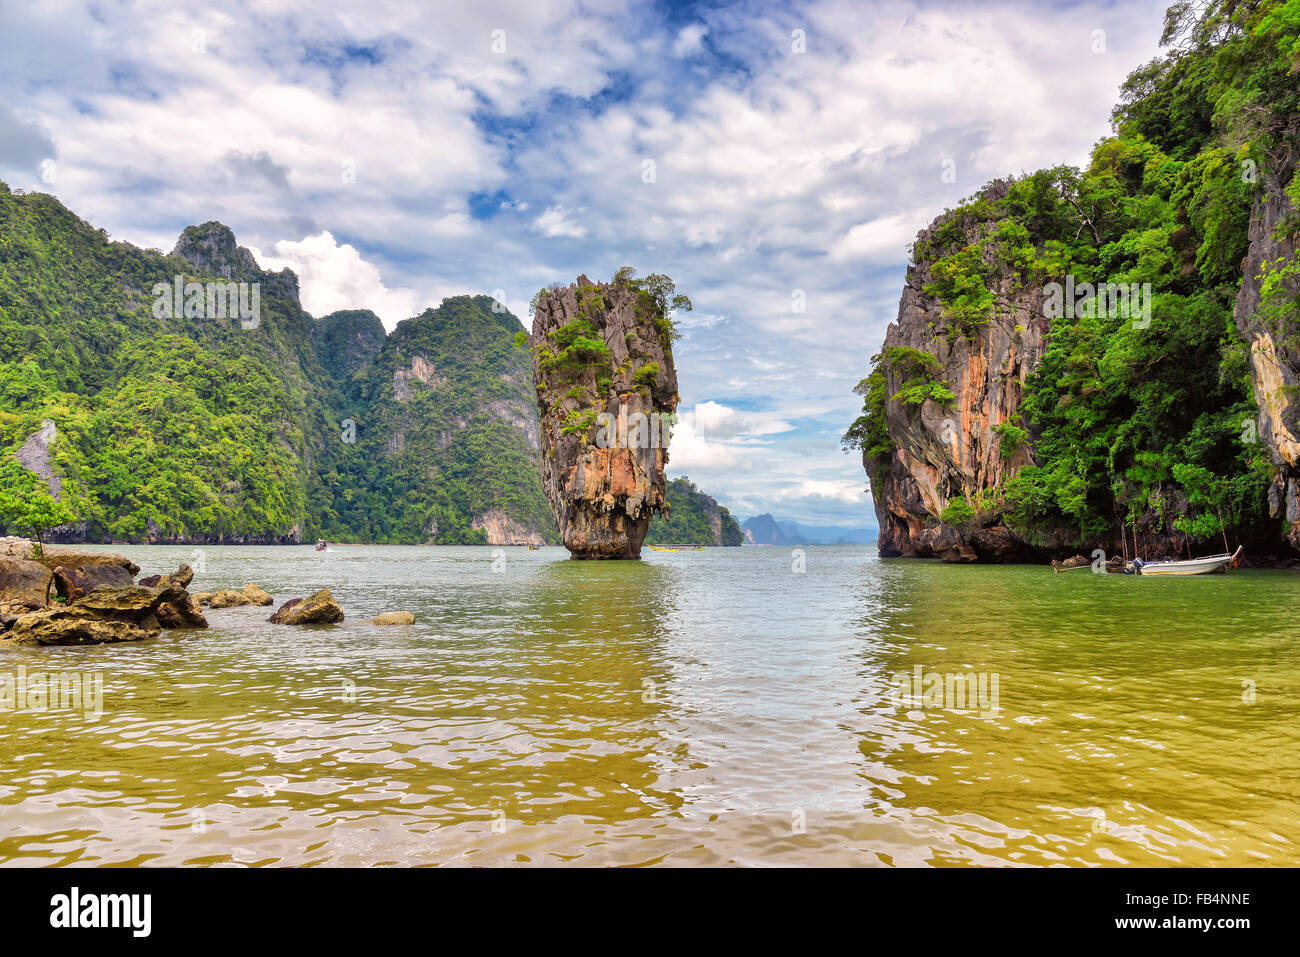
[(607, 395), (211, 248)]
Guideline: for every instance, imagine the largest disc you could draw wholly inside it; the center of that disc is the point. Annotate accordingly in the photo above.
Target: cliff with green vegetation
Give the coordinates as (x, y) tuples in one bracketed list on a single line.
[(446, 446), (607, 397), (1010, 415), (693, 518), (151, 418)]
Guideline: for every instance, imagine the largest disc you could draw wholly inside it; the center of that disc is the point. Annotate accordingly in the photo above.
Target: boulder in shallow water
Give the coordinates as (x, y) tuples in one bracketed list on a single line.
[(181, 614), (229, 598), (65, 555), (394, 618), (317, 609), (76, 626), (131, 603), (181, 578), (73, 583), (24, 586), (256, 595)]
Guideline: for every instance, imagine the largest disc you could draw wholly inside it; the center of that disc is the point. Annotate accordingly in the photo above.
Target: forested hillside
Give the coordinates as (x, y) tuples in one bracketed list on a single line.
[(693, 518), (176, 427), (1002, 418)]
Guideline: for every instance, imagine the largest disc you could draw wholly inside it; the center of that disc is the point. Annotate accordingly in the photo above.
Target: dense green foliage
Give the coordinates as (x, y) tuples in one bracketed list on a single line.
[(869, 433), (1131, 421), (26, 504), (200, 429), (432, 456), (690, 519)]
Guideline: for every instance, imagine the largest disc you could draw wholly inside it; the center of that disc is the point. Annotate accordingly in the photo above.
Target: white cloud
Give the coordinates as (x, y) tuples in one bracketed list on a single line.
[(333, 276), (555, 222), (884, 239), (690, 40)]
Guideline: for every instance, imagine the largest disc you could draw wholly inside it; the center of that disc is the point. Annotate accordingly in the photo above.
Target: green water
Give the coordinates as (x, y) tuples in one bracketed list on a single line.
[(709, 707)]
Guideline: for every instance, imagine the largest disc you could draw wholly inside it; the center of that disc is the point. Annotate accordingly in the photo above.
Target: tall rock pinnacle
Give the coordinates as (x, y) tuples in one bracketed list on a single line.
[(607, 393)]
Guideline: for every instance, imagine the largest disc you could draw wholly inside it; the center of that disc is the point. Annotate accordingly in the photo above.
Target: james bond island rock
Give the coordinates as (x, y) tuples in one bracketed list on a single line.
[(317, 609), (1110, 357), (607, 393)]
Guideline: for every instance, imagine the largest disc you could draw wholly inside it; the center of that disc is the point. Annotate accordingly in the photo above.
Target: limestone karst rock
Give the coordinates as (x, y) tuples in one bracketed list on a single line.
[(946, 451), (607, 393)]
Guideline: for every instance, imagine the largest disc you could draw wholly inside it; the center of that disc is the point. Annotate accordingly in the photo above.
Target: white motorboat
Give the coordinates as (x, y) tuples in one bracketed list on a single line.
[(1191, 566)]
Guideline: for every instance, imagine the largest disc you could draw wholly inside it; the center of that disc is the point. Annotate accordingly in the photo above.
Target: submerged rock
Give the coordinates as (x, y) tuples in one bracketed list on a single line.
[(317, 609), (181, 614), (229, 598), (607, 393), (394, 618)]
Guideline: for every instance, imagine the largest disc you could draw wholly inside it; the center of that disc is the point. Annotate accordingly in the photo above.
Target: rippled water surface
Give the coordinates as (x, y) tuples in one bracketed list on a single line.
[(709, 707)]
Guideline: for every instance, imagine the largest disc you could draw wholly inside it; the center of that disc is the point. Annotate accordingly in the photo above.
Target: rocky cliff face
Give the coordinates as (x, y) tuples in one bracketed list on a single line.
[(1272, 333), (603, 368), (944, 451)]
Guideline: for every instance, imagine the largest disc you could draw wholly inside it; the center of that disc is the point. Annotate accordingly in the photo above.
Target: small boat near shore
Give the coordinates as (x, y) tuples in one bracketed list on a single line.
[(1206, 565), (676, 548), (1191, 566)]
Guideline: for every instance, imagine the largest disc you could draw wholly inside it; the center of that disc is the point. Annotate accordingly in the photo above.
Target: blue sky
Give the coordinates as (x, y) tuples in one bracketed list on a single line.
[(767, 156)]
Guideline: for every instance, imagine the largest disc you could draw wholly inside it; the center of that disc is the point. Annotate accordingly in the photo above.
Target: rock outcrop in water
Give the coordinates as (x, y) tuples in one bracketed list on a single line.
[(98, 600), (317, 609), (107, 615), (607, 394), (944, 450)]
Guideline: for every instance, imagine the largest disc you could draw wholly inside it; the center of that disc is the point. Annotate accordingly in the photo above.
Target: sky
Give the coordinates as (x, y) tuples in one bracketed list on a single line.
[(776, 159)]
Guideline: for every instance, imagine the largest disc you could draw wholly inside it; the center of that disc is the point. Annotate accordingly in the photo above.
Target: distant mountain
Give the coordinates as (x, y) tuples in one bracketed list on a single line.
[(829, 534), (766, 530), (693, 518)]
